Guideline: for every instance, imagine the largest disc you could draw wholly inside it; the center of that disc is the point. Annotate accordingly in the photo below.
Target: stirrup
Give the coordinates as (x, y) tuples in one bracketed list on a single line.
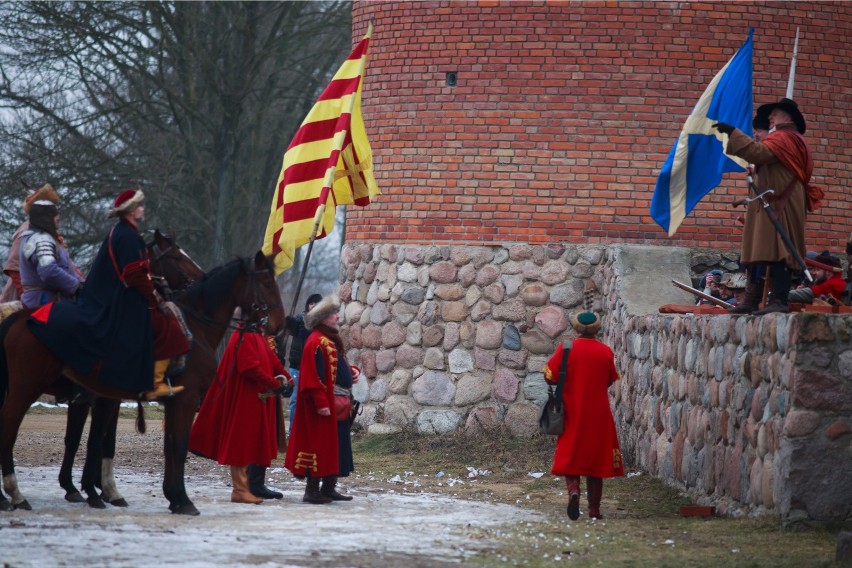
[(163, 390)]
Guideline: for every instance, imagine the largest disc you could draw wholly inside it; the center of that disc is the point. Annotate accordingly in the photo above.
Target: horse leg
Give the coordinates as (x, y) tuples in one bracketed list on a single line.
[(74, 424), (109, 490), (16, 407), (179, 414), (94, 456)]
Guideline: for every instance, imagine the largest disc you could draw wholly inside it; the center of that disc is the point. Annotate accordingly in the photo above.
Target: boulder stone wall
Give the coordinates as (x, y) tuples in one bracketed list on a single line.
[(751, 414)]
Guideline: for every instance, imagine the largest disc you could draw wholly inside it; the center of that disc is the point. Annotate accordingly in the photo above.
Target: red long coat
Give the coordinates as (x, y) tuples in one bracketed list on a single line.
[(312, 448), (234, 427), (589, 444)]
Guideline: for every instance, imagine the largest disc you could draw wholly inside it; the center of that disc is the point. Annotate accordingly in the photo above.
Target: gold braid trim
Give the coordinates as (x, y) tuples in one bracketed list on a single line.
[(307, 461), (330, 349)]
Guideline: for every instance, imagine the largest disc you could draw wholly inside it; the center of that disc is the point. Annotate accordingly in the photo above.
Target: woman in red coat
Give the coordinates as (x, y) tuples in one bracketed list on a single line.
[(236, 424), (589, 444)]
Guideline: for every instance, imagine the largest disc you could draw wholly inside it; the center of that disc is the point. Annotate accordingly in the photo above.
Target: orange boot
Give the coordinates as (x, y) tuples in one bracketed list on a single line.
[(241, 493), (161, 387)]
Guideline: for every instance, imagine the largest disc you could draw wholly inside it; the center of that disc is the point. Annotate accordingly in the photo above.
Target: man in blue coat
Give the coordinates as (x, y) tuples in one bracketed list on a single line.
[(110, 324)]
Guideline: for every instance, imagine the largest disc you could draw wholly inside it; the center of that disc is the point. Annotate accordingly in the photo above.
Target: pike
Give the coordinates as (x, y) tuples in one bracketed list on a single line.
[(702, 295)]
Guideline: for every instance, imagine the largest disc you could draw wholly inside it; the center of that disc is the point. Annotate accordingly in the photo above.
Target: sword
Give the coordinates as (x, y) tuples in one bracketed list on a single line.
[(702, 295), (773, 217)]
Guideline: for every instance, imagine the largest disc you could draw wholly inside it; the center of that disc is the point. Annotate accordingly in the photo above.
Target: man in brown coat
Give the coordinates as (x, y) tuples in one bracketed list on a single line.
[(784, 164)]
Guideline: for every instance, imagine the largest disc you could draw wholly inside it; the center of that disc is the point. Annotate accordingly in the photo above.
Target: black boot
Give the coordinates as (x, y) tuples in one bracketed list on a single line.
[(257, 483), (312, 492), (751, 301), (781, 280), (328, 489)]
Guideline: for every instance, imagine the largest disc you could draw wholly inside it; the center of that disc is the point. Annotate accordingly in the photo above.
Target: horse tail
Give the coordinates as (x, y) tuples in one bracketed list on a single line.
[(140, 418), (5, 326)]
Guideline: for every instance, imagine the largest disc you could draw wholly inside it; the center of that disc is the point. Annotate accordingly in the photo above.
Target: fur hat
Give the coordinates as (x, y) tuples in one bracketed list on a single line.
[(45, 192), (586, 323), (734, 280), (326, 307), (790, 107), (127, 201)]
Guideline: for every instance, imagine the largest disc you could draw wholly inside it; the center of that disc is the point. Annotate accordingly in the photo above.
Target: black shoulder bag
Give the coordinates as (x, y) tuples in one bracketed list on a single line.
[(552, 421)]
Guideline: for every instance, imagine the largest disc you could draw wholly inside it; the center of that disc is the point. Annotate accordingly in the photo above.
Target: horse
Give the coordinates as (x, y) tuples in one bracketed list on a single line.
[(28, 369), (177, 272)]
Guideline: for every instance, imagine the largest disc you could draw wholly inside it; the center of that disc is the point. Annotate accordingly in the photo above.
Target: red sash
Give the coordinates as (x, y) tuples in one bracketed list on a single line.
[(791, 150)]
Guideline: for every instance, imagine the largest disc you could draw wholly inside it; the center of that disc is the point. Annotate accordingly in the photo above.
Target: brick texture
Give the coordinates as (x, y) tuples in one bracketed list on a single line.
[(563, 113)]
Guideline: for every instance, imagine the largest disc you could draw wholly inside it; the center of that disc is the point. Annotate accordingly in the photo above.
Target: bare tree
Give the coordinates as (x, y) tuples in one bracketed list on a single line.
[(193, 102)]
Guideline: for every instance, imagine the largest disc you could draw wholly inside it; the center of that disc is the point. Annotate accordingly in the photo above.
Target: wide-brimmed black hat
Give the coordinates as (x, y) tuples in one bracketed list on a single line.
[(790, 107)]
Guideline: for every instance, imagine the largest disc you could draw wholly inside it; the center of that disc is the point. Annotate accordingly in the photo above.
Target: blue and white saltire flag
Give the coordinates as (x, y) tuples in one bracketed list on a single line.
[(697, 161)]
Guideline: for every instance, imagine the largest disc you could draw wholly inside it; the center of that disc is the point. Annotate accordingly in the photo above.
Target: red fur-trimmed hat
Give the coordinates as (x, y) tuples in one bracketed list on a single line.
[(126, 202), (45, 192)]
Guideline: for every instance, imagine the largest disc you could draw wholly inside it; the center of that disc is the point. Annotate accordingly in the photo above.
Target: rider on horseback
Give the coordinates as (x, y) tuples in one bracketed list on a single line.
[(118, 324), (47, 273)]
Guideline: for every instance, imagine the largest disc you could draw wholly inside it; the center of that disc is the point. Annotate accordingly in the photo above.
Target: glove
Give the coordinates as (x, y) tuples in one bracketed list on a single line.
[(723, 127)]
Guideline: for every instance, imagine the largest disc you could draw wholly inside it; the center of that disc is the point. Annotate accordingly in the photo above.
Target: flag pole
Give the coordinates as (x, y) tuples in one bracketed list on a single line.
[(317, 220)]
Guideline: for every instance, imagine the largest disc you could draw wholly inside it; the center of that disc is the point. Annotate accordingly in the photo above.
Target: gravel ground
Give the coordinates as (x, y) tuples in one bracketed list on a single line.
[(380, 527)]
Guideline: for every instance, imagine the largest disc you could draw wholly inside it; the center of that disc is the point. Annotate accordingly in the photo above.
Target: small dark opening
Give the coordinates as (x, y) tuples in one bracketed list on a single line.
[(451, 79)]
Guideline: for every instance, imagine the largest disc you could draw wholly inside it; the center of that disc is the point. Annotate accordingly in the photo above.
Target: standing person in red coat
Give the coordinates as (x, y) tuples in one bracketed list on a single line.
[(314, 447), (236, 424), (589, 444)]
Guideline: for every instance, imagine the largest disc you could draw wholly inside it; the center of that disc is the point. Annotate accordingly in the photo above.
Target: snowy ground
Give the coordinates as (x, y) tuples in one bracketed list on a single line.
[(375, 529)]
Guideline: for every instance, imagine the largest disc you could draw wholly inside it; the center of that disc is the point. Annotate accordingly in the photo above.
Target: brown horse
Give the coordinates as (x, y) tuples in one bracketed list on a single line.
[(28, 369), (173, 270)]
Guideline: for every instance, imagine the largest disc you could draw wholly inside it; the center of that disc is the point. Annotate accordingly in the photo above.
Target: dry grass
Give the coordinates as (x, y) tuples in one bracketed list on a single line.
[(642, 526)]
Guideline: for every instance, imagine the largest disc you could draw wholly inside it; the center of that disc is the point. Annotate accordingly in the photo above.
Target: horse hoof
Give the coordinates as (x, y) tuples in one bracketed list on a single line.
[(23, 505), (5, 505), (188, 509), (118, 502), (96, 503), (74, 497)]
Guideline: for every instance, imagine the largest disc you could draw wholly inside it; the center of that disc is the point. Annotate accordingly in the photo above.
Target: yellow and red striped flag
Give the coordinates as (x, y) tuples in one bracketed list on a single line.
[(328, 163)]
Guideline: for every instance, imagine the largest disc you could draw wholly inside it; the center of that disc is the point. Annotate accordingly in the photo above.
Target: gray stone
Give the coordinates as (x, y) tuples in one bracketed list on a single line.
[(433, 388), (386, 360), (554, 272), (378, 390), (460, 361), (399, 381), (427, 314), (512, 283), (407, 272), (451, 336), (380, 429), (400, 410), (352, 312), (472, 296), (494, 293), (414, 333), (843, 554), (432, 335), (473, 388), (511, 338), (379, 313), (413, 295), (404, 313), (567, 295), (434, 359), (512, 310), (467, 275), (438, 422), (480, 311), (535, 388)]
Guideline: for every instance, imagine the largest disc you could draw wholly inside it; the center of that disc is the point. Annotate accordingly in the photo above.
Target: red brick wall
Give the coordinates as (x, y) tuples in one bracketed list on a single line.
[(564, 112)]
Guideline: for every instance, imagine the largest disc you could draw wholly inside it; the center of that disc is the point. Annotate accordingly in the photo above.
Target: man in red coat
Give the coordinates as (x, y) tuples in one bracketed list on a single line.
[(236, 424), (828, 280), (589, 444), (312, 450)]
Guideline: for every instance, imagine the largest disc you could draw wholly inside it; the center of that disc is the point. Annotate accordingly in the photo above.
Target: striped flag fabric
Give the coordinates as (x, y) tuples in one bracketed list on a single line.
[(697, 161), (328, 163)]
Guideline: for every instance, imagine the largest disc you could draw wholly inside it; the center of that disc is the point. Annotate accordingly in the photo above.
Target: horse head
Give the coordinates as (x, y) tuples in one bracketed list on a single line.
[(170, 262), (262, 304)]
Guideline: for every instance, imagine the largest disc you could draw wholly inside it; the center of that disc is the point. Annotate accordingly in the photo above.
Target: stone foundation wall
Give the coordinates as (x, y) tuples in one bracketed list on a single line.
[(752, 414)]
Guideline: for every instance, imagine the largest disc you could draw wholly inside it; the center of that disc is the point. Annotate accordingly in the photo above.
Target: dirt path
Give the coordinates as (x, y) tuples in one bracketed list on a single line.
[(379, 528)]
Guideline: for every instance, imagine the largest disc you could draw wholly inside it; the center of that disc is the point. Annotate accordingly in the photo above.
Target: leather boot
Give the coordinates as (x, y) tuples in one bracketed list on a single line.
[(779, 291), (161, 387), (328, 489), (572, 482), (257, 483), (312, 492), (594, 492), (240, 492), (751, 301)]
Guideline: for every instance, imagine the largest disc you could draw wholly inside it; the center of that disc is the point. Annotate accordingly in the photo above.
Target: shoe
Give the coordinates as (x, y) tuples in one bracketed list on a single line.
[(312, 493), (574, 506), (257, 483), (328, 489), (240, 492), (163, 390)]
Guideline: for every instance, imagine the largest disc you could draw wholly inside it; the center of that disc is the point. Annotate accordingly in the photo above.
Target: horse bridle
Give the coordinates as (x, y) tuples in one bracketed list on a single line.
[(158, 254), (258, 318)]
